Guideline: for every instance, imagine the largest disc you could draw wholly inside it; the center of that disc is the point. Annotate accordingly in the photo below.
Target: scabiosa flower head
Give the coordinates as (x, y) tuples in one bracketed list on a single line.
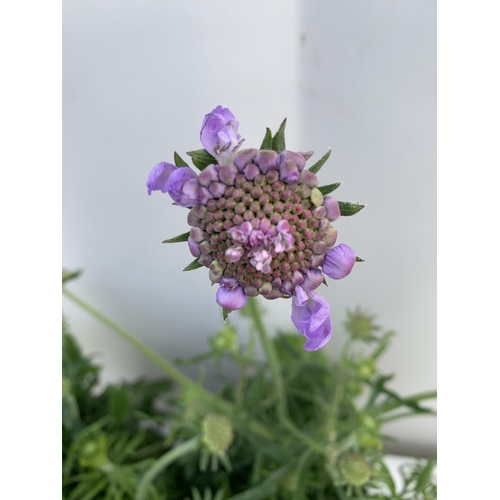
[(260, 222)]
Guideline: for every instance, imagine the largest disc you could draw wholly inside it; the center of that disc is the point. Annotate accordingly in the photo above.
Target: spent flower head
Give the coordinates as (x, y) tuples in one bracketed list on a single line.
[(259, 222)]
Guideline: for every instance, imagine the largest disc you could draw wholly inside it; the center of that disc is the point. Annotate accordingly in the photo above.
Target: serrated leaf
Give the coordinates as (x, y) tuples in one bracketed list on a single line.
[(279, 144), (329, 188), (178, 239), (194, 265), (201, 158), (267, 143), (347, 208), (225, 313), (179, 162), (70, 275), (317, 166)]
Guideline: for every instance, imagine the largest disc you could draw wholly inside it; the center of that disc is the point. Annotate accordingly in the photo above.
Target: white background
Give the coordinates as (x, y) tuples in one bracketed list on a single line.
[(357, 76)]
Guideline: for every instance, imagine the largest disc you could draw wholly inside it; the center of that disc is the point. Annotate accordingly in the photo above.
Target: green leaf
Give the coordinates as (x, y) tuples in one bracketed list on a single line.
[(347, 208), (359, 259), (267, 143), (178, 239), (179, 162), (70, 275), (329, 188), (201, 158), (194, 265), (317, 166), (264, 489), (226, 312), (279, 139)]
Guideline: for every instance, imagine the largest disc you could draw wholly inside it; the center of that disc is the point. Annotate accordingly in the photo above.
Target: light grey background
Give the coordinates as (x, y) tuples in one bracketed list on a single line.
[(358, 76)]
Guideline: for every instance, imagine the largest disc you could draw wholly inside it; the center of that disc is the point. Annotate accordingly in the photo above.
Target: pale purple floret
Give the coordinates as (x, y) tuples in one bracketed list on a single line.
[(234, 254), (261, 260), (183, 187), (339, 262), (283, 240), (158, 177), (230, 295), (219, 134), (311, 317), (240, 233), (332, 208)]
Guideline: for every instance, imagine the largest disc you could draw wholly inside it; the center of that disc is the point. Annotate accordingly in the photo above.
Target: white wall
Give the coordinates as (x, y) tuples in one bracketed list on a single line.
[(359, 76)]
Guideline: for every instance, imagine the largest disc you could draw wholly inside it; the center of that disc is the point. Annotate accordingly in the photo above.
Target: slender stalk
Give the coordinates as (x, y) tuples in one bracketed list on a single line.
[(273, 361), (162, 463), (146, 351), (164, 365)]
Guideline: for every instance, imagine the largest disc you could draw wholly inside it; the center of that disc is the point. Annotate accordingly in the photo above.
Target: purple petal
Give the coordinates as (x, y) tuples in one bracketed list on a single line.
[(158, 177), (231, 299), (183, 187), (332, 208), (312, 280), (311, 317), (339, 261), (219, 133)]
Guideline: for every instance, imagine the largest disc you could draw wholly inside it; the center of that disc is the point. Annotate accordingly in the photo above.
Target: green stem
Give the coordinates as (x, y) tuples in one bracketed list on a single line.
[(146, 351), (272, 359), (163, 364), (162, 463)]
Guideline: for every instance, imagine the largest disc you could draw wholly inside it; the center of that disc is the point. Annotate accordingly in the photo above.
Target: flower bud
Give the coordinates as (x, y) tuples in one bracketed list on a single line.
[(355, 469), (217, 433)]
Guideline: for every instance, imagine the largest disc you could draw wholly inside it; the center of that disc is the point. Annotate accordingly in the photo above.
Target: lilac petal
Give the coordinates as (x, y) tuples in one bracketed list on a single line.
[(312, 280), (219, 133), (183, 187), (311, 317), (158, 177), (317, 343), (332, 208), (194, 247), (231, 299), (234, 254), (339, 261)]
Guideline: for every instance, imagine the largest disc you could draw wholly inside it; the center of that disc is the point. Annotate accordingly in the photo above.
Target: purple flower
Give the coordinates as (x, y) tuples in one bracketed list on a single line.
[(219, 134), (332, 208), (230, 295), (158, 177), (339, 261), (311, 317), (183, 187)]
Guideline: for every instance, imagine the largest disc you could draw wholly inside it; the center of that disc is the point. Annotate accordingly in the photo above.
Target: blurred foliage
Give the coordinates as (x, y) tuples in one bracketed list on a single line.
[(152, 439)]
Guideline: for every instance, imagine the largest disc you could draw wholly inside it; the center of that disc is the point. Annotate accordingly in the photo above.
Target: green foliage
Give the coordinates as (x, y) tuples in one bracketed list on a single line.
[(201, 158), (317, 166), (135, 440)]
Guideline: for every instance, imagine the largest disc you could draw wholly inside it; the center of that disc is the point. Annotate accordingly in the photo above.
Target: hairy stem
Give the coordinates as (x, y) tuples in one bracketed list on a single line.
[(164, 365), (162, 463), (272, 359)]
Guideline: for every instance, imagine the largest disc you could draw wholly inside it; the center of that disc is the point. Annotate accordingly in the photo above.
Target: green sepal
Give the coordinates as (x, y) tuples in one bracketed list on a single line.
[(347, 208), (179, 162), (202, 158), (279, 139), (194, 265), (329, 188), (317, 166), (359, 259), (225, 313), (70, 275), (267, 143), (178, 239)]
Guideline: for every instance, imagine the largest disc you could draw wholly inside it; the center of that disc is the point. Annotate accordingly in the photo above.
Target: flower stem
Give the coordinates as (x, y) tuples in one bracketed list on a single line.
[(162, 463), (146, 351), (272, 359), (164, 365)]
